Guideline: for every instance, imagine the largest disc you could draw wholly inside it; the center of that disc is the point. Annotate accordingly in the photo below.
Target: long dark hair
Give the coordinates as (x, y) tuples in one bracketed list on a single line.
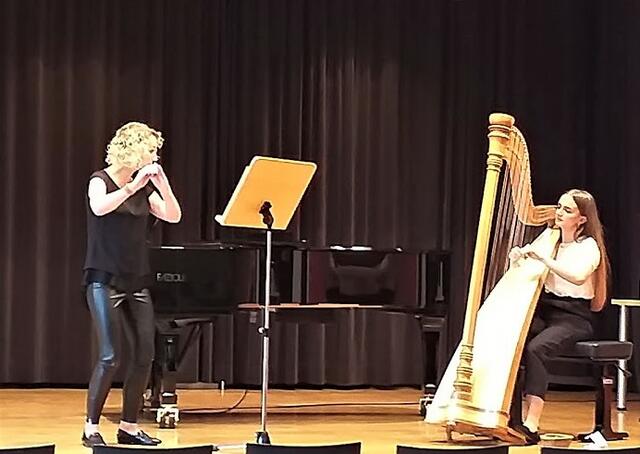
[(593, 228)]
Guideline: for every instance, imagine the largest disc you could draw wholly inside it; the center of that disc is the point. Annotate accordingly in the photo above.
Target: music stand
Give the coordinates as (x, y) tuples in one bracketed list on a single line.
[(267, 195)]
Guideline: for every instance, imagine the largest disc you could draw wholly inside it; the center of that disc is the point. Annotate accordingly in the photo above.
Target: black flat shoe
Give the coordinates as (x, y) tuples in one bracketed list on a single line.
[(156, 440), (141, 438), (531, 438), (92, 440)]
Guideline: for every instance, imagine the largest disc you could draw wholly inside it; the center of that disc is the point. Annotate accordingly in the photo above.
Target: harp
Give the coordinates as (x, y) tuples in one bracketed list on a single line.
[(475, 393)]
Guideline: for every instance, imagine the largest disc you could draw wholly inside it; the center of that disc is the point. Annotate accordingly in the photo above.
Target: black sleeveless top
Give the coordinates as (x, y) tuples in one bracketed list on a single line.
[(117, 251)]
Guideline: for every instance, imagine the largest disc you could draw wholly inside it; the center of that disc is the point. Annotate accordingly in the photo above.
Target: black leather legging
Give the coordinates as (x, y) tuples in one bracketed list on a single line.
[(114, 311)]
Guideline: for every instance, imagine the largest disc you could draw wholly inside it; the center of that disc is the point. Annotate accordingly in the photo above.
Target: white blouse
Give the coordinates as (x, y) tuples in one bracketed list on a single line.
[(582, 257)]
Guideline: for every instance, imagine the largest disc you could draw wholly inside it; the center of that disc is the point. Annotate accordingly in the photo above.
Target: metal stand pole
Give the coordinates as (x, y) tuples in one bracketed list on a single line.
[(262, 434), (621, 391)]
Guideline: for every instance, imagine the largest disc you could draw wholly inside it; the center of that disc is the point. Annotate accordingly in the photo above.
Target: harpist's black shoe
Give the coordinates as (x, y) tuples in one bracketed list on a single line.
[(141, 438), (531, 438), (92, 440)]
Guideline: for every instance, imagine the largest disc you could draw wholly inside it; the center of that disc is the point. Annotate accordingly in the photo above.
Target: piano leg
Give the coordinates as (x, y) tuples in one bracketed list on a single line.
[(163, 381), (432, 330)]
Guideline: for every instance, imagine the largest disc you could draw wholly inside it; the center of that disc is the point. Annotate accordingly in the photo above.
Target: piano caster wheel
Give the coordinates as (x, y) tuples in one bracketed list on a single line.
[(424, 402), (167, 417)]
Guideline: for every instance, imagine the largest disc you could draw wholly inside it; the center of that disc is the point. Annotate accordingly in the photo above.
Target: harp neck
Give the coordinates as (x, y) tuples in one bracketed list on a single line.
[(507, 143)]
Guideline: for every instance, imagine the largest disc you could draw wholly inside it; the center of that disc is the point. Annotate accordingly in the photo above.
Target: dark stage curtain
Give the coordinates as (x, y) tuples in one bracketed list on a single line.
[(390, 98)]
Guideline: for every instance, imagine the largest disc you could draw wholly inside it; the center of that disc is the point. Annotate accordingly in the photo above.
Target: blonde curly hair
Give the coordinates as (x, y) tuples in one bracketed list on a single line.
[(132, 143)]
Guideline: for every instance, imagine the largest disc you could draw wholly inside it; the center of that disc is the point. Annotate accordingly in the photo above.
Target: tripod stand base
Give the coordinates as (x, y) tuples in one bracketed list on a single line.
[(262, 438)]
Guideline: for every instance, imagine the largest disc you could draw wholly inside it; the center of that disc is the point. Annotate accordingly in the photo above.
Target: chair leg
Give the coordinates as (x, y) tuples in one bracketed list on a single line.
[(430, 343), (602, 412)]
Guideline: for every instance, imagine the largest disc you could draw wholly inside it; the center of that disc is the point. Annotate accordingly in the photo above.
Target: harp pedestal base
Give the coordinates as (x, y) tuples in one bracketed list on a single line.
[(506, 434), (464, 418)]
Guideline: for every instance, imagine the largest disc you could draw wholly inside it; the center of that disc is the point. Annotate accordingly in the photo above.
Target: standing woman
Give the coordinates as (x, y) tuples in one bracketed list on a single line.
[(575, 287), (117, 274)]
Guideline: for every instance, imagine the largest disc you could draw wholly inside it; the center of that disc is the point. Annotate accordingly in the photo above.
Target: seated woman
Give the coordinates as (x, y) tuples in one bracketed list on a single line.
[(575, 287)]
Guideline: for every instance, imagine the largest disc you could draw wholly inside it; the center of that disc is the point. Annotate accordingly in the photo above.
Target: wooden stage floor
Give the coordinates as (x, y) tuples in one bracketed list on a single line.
[(381, 419)]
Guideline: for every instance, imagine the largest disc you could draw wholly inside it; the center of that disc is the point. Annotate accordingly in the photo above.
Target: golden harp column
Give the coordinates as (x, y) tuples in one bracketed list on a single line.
[(499, 136)]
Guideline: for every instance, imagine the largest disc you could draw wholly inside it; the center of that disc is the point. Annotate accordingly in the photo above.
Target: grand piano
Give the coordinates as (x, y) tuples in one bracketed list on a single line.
[(196, 284)]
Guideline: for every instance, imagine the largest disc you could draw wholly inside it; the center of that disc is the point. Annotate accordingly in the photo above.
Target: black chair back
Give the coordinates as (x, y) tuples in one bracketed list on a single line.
[(349, 448), (41, 449), (203, 449), (501, 449), (553, 450)]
